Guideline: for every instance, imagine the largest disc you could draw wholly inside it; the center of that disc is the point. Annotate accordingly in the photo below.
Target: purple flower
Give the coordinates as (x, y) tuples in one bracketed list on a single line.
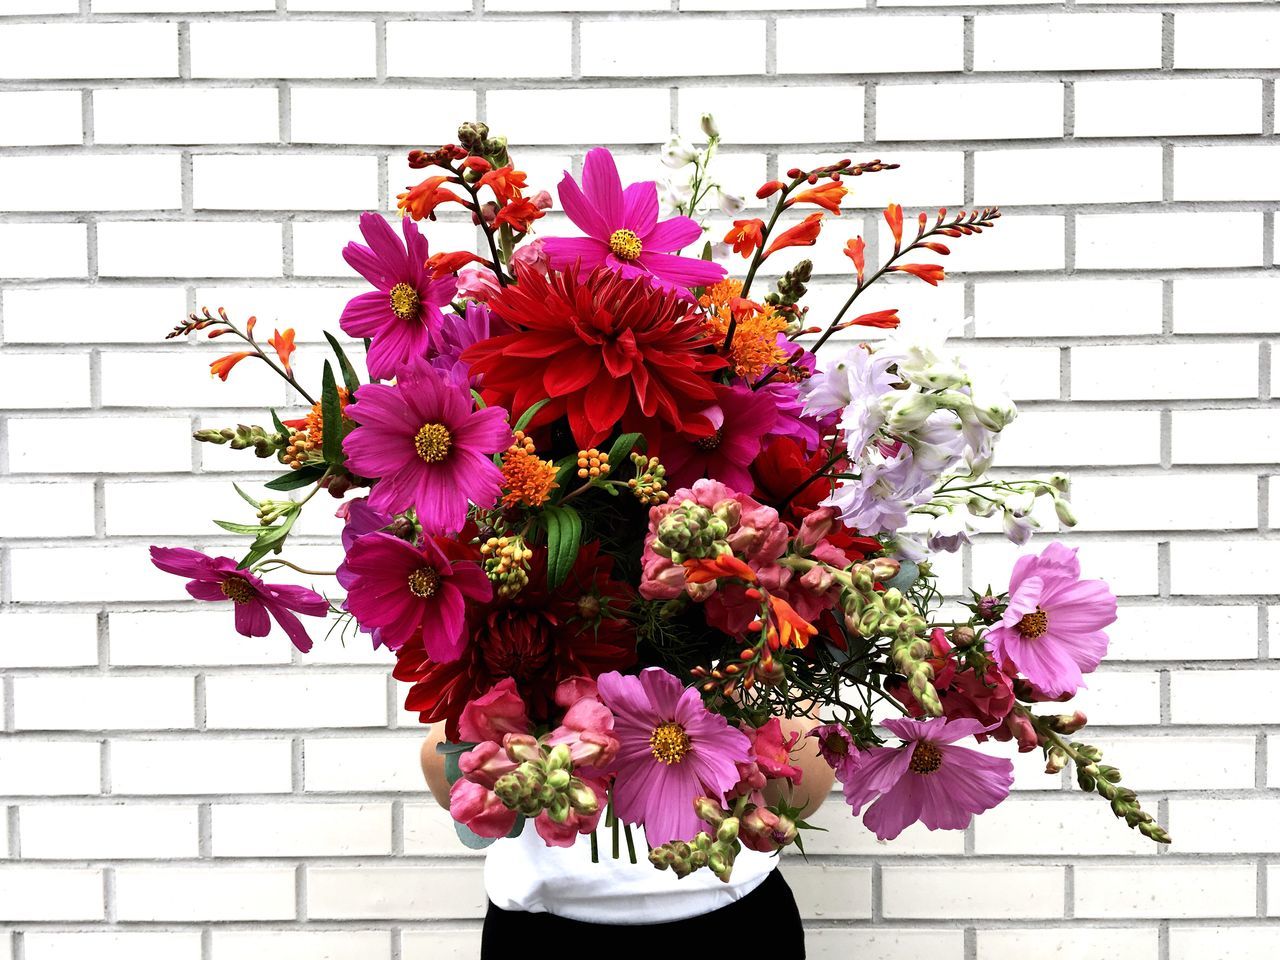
[(426, 446), (402, 318), (928, 778), (837, 748), (890, 482), (742, 418), (459, 332), (852, 383), (1051, 631), (623, 232), (673, 750), (216, 578)]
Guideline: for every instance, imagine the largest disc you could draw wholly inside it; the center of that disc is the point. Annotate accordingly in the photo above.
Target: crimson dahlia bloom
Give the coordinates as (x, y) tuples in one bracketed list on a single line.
[(402, 318), (623, 232), (426, 446), (256, 603), (603, 348)]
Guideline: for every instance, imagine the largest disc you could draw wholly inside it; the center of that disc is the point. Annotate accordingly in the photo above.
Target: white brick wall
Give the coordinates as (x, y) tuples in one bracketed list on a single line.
[(171, 789)]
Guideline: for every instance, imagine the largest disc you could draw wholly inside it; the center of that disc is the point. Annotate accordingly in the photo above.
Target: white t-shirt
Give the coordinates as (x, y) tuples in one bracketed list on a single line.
[(523, 873)]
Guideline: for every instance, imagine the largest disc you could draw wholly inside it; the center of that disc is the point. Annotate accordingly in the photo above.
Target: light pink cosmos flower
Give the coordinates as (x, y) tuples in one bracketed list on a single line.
[(623, 232), (1051, 631), (928, 778)]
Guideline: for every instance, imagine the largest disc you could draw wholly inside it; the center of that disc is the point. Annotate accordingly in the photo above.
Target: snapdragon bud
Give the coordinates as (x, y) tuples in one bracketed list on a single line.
[(709, 127)]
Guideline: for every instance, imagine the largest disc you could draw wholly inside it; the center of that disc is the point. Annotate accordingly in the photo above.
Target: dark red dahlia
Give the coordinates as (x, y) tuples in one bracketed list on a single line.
[(604, 348)]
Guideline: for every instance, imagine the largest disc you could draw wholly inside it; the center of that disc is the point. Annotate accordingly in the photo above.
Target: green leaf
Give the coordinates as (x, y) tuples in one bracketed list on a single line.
[(474, 842), (271, 536), (530, 414), (294, 479), (622, 448), (252, 557), (245, 497), (275, 418), (452, 754), (349, 376), (706, 250), (564, 536), (475, 395), (331, 408), (244, 529)]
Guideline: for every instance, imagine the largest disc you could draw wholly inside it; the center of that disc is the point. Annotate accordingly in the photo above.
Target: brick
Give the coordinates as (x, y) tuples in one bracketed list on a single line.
[(32, 381), (1165, 107), (130, 831), (366, 763), (46, 510), (50, 893), (206, 892), (1234, 942), (188, 114), (1252, 172), (285, 182), (1025, 242), (1069, 41), (103, 703), (302, 829), (48, 639), (1076, 175), (343, 116), (156, 507), (1221, 38), (1142, 943), (44, 250), (1252, 564), (184, 380), (429, 831), (590, 6), (835, 891), (180, 6), (148, 640), (871, 44), (134, 945), (89, 445), (1153, 890), (1159, 762), (1224, 825), (298, 48), (1226, 304), (846, 835), (295, 701), (804, 113), (191, 248), (1062, 308), (1120, 698), (44, 768), (885, 943), (40, 117), (43, 7), (572, 116), (1225, 436), (200, 766), (1055, 827), (1183, 632), (1198, 696), (1025, 373), (545, 47), (1128, 566), (1107, 241), (397, 892), (302, 944), (963, 891), (39, 51), (1052, 438), (1165, 371), (88, 574), (131, 313), (125, 182), (643, 48), (1160, 502), (964, 111)]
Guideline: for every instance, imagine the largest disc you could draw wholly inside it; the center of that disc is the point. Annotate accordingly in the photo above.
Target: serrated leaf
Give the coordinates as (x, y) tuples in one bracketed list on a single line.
[(244, 496), (331, 409), (244, 529), (564, 536), (622, 448), (294, 479), (530, 414), (350, 378)]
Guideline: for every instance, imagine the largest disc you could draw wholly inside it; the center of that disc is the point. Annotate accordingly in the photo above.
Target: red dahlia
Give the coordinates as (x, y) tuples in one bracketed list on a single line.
[(607, 348)]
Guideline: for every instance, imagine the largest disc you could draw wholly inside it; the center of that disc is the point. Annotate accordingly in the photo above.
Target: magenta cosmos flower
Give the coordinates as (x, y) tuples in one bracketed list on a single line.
[(402, 318), (622, 230), (672, 751), (399, 589), (216, 578), (742, 418), (426, 446), (928, 778), (1051, 631)]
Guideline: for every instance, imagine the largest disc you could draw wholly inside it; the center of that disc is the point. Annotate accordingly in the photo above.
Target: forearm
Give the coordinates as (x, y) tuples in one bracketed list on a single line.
[(433, 765), (816, 777)]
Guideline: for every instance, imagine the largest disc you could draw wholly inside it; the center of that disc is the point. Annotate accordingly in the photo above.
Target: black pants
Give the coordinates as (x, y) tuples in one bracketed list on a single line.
[(767, 915)]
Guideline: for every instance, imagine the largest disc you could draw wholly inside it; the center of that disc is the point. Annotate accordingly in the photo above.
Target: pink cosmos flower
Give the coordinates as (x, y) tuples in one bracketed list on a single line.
[(1051, 631), (623, 232), (399, 589), (402, 317), (837, 748), (426, 446), (216, 578), (928, 778), (742, 418), (673, 750)]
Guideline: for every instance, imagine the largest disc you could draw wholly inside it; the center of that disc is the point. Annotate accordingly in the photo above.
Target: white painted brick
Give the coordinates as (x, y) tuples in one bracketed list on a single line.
[(45, 7), (150, 639), (46, 510), (1060, 308), (1067, 41), (200, 766), (1129, 108), (121, 831), (285, 182), (297, 48), (926, 180), (1047, 438), (833, 892), (411, 893), (429, 831), (870, 44), (107, 182), (180, 6), (1076, 175), (1120, 698), (643, 48), (1252, 565), (1252, 172), (805, 113), (589, 6), (448, 48), (206, 892), (1151, 890), (1025, 242), (183, 115), (1224, 825), (183, 378), (1164, 371), (570, 116), (1226, 305), (39, 250), (157, 507), (962, 111), (297, 701), (193, 248), (1160, 502), (134, 945), (1234, 942), (32, 381), (1159, 762), (1055, 827), (87, 445), (50, 893), (302, 944), (39, 117), (753, 4), (338, 115), (1107, 241), (1167, 632), (90, 314), (1197, 696), (103, 703), (302, 829), (44, 768), (954, 891), (48, 640), (367, 763), (310, 310), (1224, 38), (1128, 566), (1226, 436), (885, 943), (36, 51), (436, 943), (1078, 943)]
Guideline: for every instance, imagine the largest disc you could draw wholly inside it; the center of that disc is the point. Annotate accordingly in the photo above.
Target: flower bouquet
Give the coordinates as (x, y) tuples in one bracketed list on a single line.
[(615, 511)]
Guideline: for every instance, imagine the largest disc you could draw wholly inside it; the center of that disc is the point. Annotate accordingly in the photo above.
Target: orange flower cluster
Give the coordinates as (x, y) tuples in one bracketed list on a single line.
[(527, 478), (754, 348)]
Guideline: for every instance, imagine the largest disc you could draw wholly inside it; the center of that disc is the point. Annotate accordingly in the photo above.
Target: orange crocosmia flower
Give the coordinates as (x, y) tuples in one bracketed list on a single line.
[(283, 342), (421, 201), (746, 236), (827, 195), (441, 263), (893, 217), (222, 366), (519, 214), (928, 272), (884, 319), (856, 250), (706, 569), (505, 182), (786, 627), (803, 234)]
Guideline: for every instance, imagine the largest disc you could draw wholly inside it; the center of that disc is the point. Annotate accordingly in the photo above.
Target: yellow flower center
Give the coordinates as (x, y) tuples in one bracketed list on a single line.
[(1034, 624), (926, 758), (237, 589), (669, 743), (625, 245), (404, 301), (424, 582), (433, 442)]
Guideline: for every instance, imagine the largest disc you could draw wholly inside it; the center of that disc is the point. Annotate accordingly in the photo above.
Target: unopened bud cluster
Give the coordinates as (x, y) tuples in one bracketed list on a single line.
[(592, 464), (649, 485), (544, 781), (264, 443), (506, 563), (692, 531)]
